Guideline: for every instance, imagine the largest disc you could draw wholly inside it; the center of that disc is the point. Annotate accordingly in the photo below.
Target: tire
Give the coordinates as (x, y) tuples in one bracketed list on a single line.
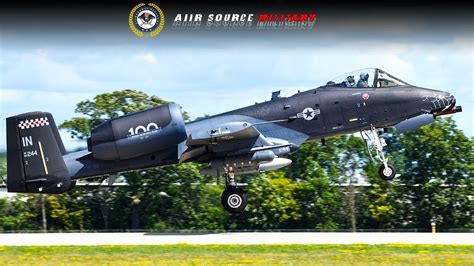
[(387, 174), (234, 200)]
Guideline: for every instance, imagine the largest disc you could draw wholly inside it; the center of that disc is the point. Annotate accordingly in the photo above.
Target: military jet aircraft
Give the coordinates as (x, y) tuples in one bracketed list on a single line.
[(252, 139)]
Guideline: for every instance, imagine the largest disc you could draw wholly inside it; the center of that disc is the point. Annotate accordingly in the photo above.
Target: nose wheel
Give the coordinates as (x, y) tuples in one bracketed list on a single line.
[(374, 144), (233, 199), (387, 173)]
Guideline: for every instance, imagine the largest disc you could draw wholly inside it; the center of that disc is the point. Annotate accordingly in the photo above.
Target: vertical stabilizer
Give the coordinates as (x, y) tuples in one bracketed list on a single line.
[(34, 155)]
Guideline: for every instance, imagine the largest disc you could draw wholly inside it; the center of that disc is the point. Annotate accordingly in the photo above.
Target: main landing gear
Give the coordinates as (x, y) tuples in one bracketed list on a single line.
[(234, 199), (375, 144)]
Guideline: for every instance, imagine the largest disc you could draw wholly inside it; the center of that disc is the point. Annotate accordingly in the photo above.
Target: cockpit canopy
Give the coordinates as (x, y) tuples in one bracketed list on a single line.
[(366, 78)]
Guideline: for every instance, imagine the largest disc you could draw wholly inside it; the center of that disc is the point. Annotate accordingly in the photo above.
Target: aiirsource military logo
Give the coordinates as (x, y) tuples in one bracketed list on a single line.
[(146, 19)]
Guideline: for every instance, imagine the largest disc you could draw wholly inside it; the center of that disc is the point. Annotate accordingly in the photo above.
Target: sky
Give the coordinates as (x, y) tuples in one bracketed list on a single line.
[(210, 73)]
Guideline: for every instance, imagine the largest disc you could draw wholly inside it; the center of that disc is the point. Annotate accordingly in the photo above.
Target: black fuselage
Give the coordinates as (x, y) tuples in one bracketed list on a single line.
[(342, 110), (337, 111)]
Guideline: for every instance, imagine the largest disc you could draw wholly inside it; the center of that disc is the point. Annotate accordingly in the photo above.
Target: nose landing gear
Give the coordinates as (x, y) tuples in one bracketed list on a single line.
[(233, 199), (375, 144), (387, 172)]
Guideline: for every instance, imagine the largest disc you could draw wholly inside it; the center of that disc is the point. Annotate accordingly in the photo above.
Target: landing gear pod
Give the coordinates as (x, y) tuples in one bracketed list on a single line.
[(34, 155), (138, 133), (414, 123)]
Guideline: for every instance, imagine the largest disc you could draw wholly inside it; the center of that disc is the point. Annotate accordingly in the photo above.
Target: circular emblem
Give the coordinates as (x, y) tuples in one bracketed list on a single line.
[(308, 113), (146, 19), (365, 96)]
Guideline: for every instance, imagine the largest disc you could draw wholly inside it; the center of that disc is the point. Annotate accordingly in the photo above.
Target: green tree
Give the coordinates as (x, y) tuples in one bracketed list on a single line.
[(67, 211), (352, 160), (109, 105), (273, 203), (169, 197), (439, 176), (3, 165), (15, 215), (318, 170)]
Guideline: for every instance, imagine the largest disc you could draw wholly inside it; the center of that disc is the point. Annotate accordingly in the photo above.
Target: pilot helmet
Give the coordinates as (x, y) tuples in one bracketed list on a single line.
[(364, 76), (351, 79)]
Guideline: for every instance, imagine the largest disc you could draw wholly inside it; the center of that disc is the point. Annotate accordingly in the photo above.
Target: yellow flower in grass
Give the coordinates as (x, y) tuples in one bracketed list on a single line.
[(423, 251)]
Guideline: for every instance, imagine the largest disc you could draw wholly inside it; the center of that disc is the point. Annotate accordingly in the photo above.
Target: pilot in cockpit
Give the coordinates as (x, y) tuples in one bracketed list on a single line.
[(348, 82), (363, 80)]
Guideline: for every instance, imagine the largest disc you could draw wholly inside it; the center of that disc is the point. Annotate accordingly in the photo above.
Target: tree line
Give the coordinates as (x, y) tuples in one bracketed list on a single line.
[(319, 190)]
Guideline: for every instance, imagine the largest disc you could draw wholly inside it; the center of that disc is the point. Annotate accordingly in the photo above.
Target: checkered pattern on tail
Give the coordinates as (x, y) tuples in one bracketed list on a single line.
[(36, 122)]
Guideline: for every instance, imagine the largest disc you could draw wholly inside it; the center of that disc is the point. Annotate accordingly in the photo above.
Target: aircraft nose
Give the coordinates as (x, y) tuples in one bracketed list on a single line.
[(439, 101), (444, 102)]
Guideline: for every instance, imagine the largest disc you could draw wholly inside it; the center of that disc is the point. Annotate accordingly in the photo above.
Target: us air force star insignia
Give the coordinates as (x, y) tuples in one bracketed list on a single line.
[(308, 113)]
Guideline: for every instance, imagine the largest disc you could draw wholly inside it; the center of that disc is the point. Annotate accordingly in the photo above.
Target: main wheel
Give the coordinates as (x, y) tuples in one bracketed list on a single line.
[(387, 173), (234, 200)]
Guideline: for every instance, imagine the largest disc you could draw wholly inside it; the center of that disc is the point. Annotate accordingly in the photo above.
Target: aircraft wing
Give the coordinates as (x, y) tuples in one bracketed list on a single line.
[(229, 139), (225, 132)]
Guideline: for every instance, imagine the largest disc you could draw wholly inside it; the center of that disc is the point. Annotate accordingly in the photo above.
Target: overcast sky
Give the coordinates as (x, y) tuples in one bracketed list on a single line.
[(209, 74)]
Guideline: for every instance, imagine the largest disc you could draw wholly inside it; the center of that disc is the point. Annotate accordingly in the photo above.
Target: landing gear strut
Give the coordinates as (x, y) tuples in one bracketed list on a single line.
[(374, 142), (234, 199)]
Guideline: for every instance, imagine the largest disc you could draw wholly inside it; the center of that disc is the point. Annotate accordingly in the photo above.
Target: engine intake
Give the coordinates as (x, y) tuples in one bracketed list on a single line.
[(138, 133)]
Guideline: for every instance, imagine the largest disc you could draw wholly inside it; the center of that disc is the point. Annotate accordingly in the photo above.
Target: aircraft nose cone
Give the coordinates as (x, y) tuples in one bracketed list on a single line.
[(444, 101), (440, 101)]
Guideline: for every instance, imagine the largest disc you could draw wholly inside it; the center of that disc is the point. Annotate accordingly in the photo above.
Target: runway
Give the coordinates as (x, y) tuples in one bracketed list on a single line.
[(253, 238)]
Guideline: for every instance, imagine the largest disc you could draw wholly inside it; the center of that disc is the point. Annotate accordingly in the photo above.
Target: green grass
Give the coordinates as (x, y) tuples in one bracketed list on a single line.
[(240, 254)]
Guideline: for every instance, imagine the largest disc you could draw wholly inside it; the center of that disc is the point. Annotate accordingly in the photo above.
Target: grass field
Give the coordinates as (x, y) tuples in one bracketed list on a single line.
[(240, 254)]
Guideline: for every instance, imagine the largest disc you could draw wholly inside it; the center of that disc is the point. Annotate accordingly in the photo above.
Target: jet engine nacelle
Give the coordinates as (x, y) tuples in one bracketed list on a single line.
[(138, 133)]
